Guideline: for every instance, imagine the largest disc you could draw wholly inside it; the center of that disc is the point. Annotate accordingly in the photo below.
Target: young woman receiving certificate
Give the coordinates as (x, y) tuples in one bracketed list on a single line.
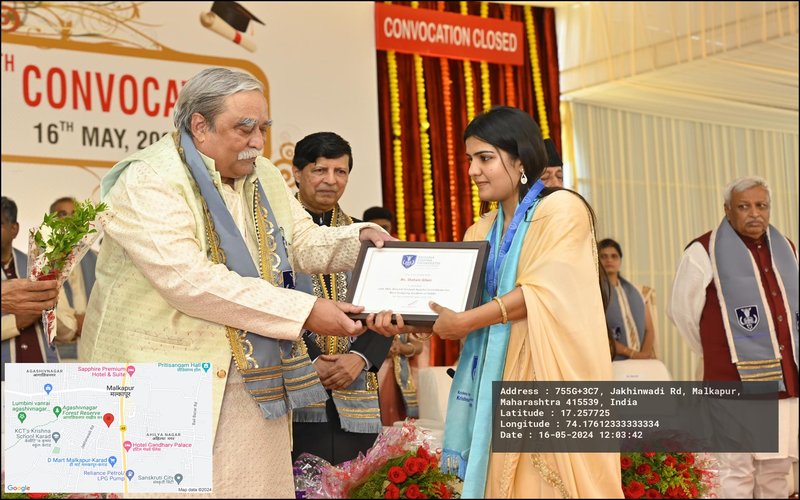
[(542, 317)]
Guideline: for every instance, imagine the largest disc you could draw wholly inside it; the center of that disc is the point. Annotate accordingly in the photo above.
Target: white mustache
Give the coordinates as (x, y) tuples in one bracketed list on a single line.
[(249, 153)]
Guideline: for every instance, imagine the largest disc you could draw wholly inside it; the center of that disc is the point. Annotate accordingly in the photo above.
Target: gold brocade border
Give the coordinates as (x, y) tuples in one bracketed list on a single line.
[(269, 260), (763, 377), (301, 378), (259, 378), (409, 386), (549, 475), (767, 363), (305, 385), (330, 344), (350, 415)]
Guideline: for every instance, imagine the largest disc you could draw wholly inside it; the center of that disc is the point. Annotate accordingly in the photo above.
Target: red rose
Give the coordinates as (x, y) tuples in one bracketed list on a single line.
[(643, 469), (649, 454), (681, 467), (693, 491), (392, 491), (635, 489), (653, 493), (396, 474), (411, 466), (686, 474), (423, 453), (625, 462), (689, 458), (423, 464), (670, 461), (442, 490), (412, 491), (654, 478)]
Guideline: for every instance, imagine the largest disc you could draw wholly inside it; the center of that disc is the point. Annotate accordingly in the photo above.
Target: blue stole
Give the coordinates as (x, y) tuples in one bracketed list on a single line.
[(482, 361), (275, 375), (746, 316), (615, 317)]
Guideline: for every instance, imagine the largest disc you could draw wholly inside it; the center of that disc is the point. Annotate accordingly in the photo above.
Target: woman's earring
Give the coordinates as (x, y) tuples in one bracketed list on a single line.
[(524, 178)]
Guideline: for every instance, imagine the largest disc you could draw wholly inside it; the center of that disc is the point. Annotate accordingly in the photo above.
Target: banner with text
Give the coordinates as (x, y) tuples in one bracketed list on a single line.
[(87, 84), (444, 34)]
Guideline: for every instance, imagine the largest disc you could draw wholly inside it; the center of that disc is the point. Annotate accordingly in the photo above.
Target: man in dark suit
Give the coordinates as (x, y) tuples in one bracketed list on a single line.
[(349, 421)]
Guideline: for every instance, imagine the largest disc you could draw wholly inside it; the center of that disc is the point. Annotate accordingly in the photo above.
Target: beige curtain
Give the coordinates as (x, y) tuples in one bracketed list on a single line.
[(656, 183)]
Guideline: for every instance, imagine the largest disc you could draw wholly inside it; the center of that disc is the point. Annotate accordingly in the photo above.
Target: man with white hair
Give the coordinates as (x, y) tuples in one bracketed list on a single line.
[(197, 266), (735, 302)]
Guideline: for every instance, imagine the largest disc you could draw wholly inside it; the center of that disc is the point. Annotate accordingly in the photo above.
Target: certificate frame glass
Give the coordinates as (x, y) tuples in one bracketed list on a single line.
[(403, 276)]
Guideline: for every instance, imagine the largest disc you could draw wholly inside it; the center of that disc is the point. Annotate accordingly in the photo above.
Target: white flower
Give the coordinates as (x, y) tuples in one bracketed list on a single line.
[(44, 232)]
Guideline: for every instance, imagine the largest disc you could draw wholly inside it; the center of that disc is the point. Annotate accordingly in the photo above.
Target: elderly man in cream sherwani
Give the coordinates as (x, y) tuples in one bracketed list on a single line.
[(197, 265)]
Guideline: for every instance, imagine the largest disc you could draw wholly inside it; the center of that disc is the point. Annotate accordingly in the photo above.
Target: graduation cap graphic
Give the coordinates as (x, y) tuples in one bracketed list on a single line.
[(230, 20), (234, 14)]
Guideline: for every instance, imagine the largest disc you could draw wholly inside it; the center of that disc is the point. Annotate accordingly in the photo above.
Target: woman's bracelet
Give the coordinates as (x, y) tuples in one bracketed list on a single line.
[(502, 309)]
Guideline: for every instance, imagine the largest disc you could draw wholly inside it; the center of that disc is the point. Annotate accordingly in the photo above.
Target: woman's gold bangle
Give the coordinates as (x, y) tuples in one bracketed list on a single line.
[(502, 309)]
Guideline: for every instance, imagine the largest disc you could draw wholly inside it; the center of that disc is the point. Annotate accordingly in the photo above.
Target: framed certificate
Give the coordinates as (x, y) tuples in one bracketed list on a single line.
[(404, 276)]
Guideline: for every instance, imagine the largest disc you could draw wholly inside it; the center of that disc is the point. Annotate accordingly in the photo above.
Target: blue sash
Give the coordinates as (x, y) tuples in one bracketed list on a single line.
[(469, 411), (749, 328), (615, 316), (274, 371)]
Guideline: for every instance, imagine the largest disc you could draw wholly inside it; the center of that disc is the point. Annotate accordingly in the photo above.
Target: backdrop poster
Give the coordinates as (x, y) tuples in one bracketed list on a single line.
[(86, 84)]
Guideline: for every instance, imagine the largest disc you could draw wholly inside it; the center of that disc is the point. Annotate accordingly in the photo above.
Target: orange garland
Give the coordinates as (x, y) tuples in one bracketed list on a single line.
[(511, 92), (448, 134)]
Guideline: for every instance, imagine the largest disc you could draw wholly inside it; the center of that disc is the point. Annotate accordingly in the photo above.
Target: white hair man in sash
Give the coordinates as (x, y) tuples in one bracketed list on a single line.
[(197, 266), (735, 302)]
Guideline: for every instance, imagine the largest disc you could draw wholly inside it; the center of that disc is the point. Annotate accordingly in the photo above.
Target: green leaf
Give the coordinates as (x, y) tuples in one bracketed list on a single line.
[(66, 233)]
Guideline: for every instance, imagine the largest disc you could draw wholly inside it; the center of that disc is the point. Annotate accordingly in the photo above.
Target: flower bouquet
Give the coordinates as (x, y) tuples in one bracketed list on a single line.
[(399, 465), (58, 244), (667, 475)]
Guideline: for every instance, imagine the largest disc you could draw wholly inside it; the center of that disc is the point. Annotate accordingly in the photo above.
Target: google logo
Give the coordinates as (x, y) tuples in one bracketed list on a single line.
[(18, 488)]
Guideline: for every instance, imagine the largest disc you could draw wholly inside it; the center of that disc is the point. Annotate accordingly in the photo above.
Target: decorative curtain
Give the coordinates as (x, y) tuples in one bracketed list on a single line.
[(656, 182), (423, 168)]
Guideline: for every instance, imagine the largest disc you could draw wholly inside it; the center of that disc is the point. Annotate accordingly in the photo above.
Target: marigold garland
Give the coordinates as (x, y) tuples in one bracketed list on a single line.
[(511, 91), (470, 98), (397, 145), (448, 134), (425, 147), (537, 71), (486, 90)]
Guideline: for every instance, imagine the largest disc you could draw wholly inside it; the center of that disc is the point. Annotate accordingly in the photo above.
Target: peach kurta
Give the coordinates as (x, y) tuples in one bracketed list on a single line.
[(563, 338)]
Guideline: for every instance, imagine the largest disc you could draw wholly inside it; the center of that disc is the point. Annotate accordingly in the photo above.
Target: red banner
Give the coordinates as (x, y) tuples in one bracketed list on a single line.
[(444, 34)]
